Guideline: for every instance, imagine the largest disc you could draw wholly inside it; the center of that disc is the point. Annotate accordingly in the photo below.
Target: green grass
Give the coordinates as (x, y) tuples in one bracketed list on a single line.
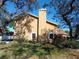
[(27, 49)]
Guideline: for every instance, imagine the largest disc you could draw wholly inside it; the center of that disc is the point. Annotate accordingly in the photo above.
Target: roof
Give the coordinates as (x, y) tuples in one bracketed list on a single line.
[(59, 31), (32, 15), (46, 20), (51, 23)]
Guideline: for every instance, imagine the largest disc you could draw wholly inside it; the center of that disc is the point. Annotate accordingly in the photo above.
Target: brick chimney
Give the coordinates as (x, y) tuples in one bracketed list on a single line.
[(42, 19)]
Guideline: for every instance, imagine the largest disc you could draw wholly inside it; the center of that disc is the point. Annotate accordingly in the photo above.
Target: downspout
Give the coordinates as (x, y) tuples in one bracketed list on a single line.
[(37, 29)]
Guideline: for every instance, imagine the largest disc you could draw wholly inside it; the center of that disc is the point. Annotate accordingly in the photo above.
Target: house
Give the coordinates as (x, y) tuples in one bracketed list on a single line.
[(38, 27), (4, 35)]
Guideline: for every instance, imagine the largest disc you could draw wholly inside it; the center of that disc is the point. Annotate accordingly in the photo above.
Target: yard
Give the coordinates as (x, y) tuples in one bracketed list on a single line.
[(30, 50)]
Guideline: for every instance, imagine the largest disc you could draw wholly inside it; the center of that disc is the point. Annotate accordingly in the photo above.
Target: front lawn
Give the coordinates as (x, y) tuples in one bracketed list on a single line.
[(26, 49)]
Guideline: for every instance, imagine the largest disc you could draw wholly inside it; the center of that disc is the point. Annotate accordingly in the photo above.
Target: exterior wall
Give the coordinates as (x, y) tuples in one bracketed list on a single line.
[(24, 29), (45, 31), (47, 28), (33, 27), (51, 27)]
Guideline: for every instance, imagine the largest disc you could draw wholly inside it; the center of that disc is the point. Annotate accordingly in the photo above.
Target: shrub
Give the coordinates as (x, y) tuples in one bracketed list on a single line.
[(72, 44), (4, 56)]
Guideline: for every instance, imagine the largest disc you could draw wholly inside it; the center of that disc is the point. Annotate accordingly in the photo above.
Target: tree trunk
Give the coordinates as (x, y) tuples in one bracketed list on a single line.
[(77, 31), (70, 33)]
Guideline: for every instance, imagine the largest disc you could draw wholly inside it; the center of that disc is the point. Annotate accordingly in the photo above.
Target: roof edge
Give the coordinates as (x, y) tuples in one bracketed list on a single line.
[(52, 23), (33, 16), (38, 18)]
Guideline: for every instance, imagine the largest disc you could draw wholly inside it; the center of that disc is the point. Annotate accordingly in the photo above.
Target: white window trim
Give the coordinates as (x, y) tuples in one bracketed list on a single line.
[(35, 34), (49, 34)]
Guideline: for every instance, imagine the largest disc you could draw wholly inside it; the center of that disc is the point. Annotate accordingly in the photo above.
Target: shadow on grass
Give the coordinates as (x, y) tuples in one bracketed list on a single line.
[(26, 49)]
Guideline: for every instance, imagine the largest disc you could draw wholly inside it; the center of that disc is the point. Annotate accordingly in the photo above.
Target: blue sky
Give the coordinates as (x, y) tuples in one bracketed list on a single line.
[(11, 8), (50, 16)]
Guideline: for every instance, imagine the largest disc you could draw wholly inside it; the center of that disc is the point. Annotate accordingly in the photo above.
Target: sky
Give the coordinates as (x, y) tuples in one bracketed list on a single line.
[(11, 8)]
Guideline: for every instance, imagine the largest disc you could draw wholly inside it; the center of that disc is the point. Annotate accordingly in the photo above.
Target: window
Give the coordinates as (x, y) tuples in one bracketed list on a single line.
[(33, 35), (50, 36)]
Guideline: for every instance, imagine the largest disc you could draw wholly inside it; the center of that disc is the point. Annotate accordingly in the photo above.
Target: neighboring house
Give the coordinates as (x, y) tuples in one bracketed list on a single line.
[(37, 28), (5, 36)]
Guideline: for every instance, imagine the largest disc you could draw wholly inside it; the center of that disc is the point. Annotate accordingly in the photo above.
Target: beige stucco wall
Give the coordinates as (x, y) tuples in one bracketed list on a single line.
[(19, 26), (33, 28), (50, 27)]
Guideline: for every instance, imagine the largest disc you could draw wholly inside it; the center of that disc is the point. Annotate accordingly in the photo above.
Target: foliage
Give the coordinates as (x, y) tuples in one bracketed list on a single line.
[(20, 13), (27, 49), (66, 11), (3, 57), (71, 44), (38, 49), (11, 24)]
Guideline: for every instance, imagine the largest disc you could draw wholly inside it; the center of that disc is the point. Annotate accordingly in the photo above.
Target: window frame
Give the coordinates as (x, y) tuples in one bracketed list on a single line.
[(32, 34), (49, 35)]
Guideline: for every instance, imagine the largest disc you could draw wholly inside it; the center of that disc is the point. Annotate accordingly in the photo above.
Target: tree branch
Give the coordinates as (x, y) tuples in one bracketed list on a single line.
[(2, 2), (65, 14), (71, 8)]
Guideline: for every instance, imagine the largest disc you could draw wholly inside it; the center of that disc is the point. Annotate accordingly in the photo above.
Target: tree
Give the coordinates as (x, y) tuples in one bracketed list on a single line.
[(77, 31), (66, 10), (4, 16), (7, 17)]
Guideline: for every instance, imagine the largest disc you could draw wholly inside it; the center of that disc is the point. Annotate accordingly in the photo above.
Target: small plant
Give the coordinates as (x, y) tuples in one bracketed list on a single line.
[(4, 56)]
